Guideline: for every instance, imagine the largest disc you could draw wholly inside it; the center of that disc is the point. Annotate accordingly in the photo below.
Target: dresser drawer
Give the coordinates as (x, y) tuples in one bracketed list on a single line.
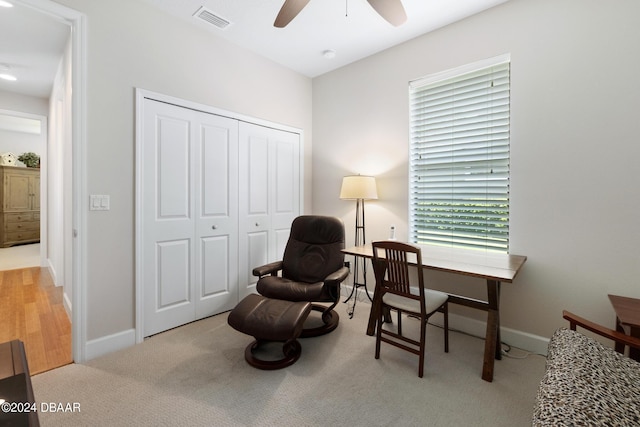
[(22, 226), (19, 236), (21, 216)]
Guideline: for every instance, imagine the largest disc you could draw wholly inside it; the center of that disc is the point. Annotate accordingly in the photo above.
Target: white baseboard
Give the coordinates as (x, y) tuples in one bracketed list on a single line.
[(109, 344), (67, 304), (519, 339), (52, 273), (526, 341)]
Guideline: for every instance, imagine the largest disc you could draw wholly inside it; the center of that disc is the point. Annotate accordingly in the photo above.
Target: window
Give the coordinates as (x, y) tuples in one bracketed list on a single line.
[(459, 157)]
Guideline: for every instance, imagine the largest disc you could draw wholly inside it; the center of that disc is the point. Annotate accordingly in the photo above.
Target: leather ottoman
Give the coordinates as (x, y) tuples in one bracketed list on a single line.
[(268, 319)]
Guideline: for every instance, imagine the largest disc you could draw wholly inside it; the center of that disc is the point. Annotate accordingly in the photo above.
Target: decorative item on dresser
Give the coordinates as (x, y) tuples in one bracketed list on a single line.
[(8, 159), (19, 205), (30, 159)]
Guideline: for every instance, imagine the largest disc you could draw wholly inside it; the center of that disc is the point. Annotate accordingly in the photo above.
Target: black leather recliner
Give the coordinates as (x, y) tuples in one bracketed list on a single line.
[(311, 269)]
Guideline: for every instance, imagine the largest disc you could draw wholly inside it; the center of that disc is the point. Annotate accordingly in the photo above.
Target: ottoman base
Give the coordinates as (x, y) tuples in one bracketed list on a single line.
[(291, 350), (267, 320)]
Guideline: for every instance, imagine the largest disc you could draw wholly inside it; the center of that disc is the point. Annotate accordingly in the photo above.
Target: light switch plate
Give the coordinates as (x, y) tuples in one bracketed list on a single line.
[(99, 202)]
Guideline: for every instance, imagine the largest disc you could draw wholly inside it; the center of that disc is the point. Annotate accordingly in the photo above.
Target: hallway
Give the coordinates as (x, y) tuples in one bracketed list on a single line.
[(20, 256), (33, 312)]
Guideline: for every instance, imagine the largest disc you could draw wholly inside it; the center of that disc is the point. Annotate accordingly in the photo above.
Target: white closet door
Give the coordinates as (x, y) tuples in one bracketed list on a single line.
[(269, 169), (216, 207), (286, 187), (189, 238)]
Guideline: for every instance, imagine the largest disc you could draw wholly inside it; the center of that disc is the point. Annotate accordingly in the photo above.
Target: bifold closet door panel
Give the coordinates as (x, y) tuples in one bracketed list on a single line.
[(189, 215), (269, 173), (167, 218), (216, 205)]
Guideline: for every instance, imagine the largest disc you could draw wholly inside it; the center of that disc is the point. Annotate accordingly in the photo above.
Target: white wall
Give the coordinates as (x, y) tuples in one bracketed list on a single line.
[(574, 148), (20, 142), (23, 106), (132, 44), (59, 173), (23, 103)]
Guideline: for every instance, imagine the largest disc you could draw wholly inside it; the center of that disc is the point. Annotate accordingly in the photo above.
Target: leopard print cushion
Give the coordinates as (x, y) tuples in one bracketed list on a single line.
[(587, 384)]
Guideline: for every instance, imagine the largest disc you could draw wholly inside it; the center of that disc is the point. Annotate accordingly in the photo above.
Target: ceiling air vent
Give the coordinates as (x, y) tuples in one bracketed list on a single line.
[(210, 17)]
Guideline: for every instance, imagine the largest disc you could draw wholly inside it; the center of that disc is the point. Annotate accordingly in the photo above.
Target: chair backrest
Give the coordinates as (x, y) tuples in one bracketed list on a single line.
[(392, 268), (314, 248)]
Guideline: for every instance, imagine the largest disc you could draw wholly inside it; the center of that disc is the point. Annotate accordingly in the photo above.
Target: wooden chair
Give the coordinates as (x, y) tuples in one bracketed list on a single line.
[(394, 291)]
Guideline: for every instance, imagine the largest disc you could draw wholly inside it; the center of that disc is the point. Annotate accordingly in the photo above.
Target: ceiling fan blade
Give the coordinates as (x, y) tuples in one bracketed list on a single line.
[(289, 10), (391, 10)]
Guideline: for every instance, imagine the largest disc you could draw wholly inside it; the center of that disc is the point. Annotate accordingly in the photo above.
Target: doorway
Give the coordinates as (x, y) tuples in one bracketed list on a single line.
[(33, 309), (23, 238), (70, 172)]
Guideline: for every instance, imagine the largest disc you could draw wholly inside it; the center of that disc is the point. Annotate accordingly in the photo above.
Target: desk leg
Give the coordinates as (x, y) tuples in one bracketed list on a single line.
[(492, 349), (376, 303), (373, 315), (619, 347), (634, 353)]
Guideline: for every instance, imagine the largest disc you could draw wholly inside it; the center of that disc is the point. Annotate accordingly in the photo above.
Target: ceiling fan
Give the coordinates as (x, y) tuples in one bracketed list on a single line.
[(391, 10)]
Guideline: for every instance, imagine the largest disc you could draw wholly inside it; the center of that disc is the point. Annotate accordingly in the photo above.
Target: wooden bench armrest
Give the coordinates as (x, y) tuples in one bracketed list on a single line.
[(611, 334)]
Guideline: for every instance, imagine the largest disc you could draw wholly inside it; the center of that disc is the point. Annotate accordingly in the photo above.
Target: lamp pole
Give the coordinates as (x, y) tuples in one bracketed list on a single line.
[(359, 188), (359, 262)]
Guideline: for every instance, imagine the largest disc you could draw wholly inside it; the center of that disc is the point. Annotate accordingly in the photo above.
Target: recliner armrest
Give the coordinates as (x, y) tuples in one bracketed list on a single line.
[(271, 268), (337, 277)]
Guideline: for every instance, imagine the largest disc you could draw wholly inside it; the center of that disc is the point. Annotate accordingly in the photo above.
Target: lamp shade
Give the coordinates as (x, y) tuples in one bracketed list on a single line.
[(358, 187)]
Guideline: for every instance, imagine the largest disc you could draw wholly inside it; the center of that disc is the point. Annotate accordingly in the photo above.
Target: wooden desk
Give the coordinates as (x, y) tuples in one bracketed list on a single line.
[(627, 314), (492, 267)]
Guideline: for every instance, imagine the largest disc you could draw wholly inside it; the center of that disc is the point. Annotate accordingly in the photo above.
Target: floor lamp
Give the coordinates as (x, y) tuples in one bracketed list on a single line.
[(359, 188)]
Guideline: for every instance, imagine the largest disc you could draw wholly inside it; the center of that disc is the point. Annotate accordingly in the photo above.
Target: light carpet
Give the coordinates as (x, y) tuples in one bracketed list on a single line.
[(196, 375), (21, 256)]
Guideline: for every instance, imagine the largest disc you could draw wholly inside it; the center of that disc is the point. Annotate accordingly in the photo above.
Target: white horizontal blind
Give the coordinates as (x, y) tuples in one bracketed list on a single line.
[(459, 160)]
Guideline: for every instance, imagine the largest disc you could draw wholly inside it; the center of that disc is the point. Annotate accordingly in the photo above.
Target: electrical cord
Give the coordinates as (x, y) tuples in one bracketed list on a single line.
[(351, 307), (505, 352)]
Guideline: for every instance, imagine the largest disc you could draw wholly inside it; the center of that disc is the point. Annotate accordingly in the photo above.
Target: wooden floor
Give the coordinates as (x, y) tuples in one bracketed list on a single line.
[(31, 310)]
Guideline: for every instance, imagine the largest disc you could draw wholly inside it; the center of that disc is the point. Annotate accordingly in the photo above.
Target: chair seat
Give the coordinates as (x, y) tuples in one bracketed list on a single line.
[(290, 290), (433, 300)]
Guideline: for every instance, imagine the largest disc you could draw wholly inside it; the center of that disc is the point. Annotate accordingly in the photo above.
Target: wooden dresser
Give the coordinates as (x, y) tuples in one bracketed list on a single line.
[(19, 205)]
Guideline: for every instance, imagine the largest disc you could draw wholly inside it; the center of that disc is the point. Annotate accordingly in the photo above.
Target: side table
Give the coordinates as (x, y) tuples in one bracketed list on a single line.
[(627, 315)]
